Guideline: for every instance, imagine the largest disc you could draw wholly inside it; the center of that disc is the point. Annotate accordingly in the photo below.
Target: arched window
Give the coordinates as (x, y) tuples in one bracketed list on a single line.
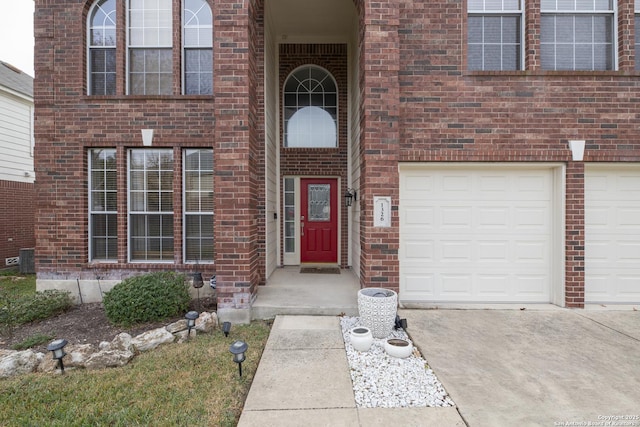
[(197, 44), (310, 109), (102, 48), (150, 38)]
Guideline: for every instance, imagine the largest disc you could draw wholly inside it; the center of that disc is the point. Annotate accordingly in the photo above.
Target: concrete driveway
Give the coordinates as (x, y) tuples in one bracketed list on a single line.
[(534, 367)]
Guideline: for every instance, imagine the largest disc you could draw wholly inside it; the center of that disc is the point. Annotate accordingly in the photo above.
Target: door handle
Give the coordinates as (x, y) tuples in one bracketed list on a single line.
[(302, 228)]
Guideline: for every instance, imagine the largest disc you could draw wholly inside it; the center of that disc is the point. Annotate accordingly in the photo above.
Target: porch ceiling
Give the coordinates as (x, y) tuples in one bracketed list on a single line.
[(311, 18)]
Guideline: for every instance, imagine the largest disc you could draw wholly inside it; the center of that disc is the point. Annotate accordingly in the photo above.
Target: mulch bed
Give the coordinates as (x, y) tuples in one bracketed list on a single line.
[(86, 324)]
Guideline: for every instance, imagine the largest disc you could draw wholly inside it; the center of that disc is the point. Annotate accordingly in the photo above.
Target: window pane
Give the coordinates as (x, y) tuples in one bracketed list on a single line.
[(198, 71), (637, 42), (577, 42), (198, 204), (151, 216), (103, 233), (308, 121)]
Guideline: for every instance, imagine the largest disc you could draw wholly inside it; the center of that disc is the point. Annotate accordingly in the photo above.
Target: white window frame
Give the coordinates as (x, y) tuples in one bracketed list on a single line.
[(613, 12), (200, 212), (91, 47), (93, 212), (168, 45), (188, 23), (488, 11), (146, 212), (285, 120), (636, 42)]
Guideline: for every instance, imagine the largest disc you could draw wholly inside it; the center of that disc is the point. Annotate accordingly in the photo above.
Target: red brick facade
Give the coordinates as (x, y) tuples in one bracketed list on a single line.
[(418, 103), (17, 214)]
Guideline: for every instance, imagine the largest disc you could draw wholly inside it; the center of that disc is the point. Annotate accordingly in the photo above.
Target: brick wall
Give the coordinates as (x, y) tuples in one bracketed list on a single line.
[(17, 212)]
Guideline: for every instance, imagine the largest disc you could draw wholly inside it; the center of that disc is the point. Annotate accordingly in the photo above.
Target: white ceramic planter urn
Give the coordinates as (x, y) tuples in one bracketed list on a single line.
[(361, 338), (377, 308)]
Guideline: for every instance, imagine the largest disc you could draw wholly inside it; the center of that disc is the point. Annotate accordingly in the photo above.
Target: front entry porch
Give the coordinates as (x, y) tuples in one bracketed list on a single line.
[(290, 292)]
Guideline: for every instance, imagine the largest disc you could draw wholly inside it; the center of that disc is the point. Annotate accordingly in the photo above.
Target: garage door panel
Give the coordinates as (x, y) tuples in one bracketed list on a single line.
[(612, 233), (531, 251), (629, 286), (456, 217), (493, 285), (487, 237), (423, 284), (419, 250), (535, 286), (456, 285), (496, 251)]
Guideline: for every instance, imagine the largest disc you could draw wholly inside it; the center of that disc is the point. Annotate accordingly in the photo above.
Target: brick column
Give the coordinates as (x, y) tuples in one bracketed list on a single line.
[(235, 213), (574, 265), (379, 140)]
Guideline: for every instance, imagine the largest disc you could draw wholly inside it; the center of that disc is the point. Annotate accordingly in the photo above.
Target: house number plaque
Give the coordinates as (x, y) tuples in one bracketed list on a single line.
[(381, 211)]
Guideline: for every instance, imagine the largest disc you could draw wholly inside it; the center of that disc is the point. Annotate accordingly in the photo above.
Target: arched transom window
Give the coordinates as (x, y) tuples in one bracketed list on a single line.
[(310, 109), (102, 48)]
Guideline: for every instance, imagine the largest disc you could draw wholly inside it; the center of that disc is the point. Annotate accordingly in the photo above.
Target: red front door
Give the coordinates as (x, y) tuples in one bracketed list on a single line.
[(319, 220)]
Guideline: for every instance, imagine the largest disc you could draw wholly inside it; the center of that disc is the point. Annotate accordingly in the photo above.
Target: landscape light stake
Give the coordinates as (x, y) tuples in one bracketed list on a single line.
[(57, 348), (226, 327), (191, 321), (198, 283), (237, 349)]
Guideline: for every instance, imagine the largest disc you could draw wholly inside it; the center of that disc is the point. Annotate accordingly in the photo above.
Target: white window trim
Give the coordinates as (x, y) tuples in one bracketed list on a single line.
[(284, 106), (91, 212), (89, 44), (129, 213), (184, 210), (612, 12), (507, 12), (129, 47), (186, 47)]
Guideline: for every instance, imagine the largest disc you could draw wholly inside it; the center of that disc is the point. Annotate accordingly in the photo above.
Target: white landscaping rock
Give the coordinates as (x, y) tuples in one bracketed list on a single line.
[(18, 362), (152, 339), (207, 322), (77, 355), (109, 359), (179, 326), (382, 381)]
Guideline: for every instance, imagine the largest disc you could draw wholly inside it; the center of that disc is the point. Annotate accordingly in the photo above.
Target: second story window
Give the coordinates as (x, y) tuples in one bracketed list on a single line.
[(494, 34), (150, 41), (637, 30), (577, 34), (102, 48), (197, 41)]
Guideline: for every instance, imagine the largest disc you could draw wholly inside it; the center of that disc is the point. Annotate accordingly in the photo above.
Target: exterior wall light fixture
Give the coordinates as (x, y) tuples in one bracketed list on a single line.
[(350, 196)]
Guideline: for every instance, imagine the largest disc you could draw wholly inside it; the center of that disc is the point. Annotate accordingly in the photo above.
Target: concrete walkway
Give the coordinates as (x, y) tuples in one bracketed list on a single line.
[(532, 367), (303, 379)]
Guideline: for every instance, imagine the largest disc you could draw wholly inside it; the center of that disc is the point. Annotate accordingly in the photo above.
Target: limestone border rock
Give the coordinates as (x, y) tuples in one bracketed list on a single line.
[(116, 353)]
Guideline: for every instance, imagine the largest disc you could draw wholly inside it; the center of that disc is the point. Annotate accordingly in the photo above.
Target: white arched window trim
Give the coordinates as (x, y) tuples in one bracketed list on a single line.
[(310, 95)]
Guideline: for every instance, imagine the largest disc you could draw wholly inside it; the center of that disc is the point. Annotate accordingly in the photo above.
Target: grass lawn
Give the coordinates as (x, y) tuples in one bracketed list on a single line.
[(14, 284), (190, 384)]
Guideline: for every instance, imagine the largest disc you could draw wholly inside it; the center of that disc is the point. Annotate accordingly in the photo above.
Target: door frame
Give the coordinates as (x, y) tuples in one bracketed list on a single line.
[(293, 258)]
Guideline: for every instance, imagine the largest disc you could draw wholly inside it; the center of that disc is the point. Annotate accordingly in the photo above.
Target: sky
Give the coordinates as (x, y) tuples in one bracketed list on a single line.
[(16, 34)]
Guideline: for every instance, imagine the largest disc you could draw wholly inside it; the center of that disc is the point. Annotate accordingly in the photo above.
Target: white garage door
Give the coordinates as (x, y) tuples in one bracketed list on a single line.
[(612, 234), (476, 233)]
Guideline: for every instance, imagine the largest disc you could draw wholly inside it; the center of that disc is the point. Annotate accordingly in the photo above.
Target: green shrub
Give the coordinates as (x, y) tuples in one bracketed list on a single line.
[(41, 305), (147, 298)]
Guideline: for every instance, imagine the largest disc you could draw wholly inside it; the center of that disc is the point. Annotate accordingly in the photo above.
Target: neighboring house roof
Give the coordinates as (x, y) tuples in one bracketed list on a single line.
[(16, 80)]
